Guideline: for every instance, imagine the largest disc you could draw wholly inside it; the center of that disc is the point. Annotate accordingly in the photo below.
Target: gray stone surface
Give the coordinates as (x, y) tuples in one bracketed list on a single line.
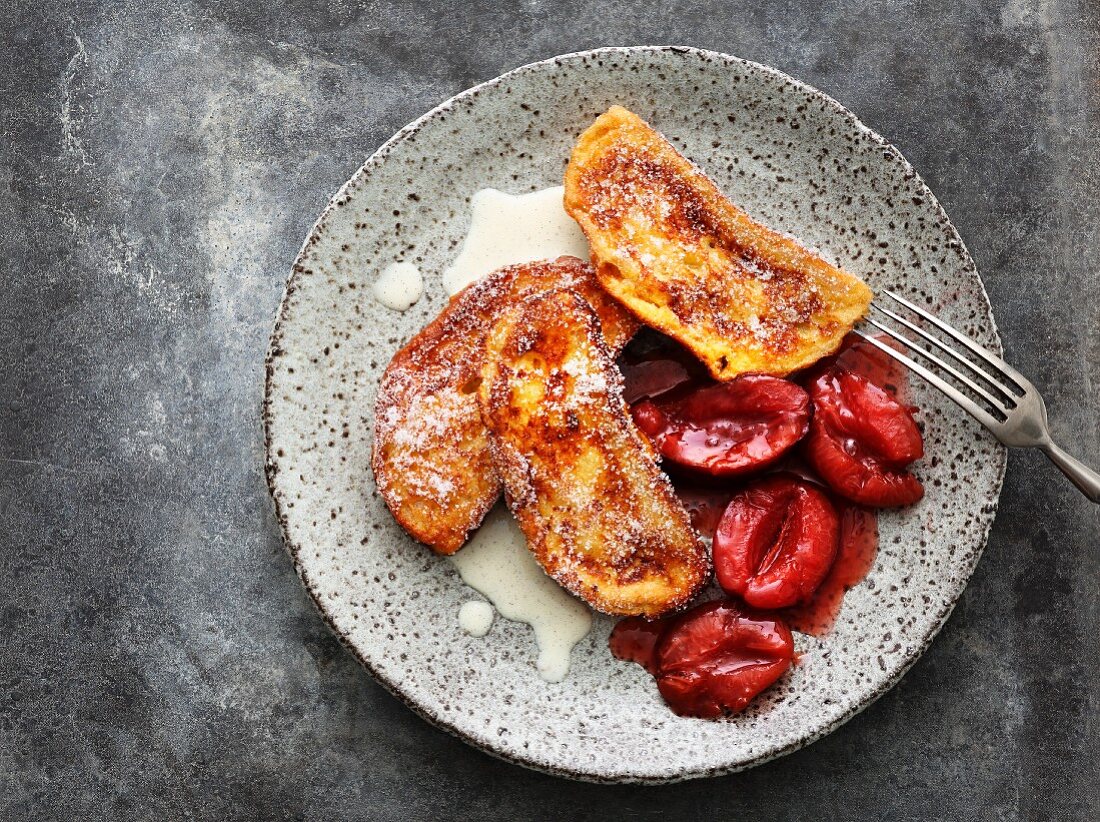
[(160, 164)]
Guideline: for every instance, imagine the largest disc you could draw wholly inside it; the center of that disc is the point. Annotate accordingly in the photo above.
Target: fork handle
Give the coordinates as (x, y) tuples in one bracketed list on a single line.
[(1087, 480)]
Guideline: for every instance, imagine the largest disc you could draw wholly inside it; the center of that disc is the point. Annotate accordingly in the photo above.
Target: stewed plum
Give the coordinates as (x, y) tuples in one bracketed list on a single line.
[(776, 542), (727, 429), (659, 369), (861, 440), (715, 658), (635, 639)]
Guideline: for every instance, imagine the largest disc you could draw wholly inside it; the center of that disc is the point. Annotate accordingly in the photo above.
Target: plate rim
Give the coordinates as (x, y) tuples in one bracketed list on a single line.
[(271, 469)]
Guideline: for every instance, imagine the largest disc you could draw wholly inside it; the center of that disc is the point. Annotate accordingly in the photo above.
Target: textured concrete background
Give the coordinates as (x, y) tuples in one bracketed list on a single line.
[(161, 163)]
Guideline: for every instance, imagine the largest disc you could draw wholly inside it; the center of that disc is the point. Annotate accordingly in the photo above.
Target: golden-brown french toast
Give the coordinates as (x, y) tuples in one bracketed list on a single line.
[(581, 480), (669, 246), (431, 452)]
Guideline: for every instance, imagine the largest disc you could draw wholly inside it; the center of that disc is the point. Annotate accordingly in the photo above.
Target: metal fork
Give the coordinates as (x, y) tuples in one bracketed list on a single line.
[(1007, 404)]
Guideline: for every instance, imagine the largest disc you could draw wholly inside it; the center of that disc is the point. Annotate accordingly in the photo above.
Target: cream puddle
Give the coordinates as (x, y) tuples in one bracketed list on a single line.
[(399, 286), (496, 563), (513, 228)]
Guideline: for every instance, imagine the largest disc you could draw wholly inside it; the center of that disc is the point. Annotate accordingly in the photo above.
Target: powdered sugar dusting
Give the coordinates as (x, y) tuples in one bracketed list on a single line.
[(743, 297), (582, 481)]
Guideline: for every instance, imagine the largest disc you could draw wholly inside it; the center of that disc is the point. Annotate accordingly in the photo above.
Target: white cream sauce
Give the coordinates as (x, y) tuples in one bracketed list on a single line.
[(497, 564), (506, 229), (476, 617), (514, 228), (399, 286)]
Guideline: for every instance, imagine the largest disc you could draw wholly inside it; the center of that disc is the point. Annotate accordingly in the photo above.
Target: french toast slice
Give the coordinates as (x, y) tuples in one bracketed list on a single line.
[(669, 246), (581, 480), (431, 451)]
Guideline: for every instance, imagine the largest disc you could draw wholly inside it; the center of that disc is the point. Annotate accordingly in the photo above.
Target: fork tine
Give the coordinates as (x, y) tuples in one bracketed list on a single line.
[(1006, 370), (954, 372), (940, 344), (963, 401)]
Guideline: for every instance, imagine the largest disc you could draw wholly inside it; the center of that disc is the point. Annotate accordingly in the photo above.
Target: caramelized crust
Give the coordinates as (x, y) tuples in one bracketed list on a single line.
[(582, 482), (431, 453), (685, 260)]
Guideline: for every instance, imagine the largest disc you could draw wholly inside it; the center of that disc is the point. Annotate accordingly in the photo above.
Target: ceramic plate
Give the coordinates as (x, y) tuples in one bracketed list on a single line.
[(789, 155)]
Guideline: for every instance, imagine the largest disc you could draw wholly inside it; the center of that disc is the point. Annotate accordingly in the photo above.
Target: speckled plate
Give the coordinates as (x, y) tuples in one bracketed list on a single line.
[(791, 156)]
